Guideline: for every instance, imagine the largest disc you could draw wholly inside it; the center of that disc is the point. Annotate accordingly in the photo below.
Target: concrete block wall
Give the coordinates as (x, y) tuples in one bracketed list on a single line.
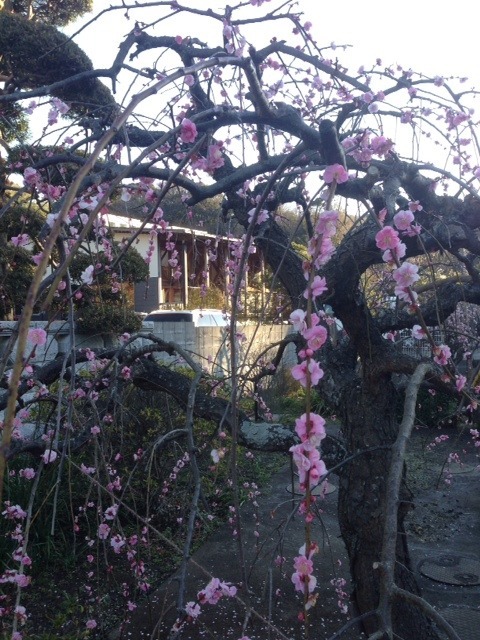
[(209, 345)]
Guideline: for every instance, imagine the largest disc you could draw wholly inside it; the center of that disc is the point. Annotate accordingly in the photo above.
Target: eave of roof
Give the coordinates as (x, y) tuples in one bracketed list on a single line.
[(123, 223)]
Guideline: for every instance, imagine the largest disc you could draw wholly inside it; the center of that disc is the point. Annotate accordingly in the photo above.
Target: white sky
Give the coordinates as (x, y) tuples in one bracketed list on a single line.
[(432, 37), (435, 37)]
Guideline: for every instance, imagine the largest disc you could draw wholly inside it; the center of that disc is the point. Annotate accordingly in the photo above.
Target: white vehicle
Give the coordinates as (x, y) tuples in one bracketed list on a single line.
[(199, 317)]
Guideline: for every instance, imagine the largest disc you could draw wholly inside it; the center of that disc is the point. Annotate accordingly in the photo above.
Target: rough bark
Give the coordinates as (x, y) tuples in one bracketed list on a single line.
[(369, 421)]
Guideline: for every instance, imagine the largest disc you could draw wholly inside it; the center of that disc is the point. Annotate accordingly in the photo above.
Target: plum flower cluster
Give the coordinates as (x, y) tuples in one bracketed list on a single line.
[(303, 578), (15, 577), (311, 430), (406, 274), (310, 427), (388, 240), (211, 594), (320, 250), (364, 146)]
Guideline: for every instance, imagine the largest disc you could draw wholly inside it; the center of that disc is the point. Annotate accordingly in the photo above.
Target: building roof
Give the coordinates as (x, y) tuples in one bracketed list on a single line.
[(124, 223)]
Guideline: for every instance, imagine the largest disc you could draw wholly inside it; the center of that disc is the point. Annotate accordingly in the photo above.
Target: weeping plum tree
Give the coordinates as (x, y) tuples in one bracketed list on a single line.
[(282, 123)]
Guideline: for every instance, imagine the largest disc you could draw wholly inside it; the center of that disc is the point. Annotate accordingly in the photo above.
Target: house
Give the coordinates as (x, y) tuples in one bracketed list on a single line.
[(183, 263)]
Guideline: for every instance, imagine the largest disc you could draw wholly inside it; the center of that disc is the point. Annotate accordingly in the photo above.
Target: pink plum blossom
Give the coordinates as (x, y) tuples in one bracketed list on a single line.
[(318, 286), (313, 432), (405, 294), (300, 459), (14, 512), (403, 220), (382, 214), (28, 473), (214, 158), (297, 318), (387, 238), (303, 574), (117, 542), (188, 131), (299, 372), (60, 106), (192, 609), (327, 223), (49, 456), (111, 512), (381, 145), (415, 206), (315, 337), (22, 580), (52, 116), (37, 337), (441, 354), (406, 275), (303, 565), (308, 462), (300, 581), (317, 469), (103, 531), (32, 105), (335, 172), (261, 218), (88, 470), (20, 241), (413, 230), (214, 590), (418, 333), (327, 249), (397, 253), (460, 382), (31, 176), (367, 97)]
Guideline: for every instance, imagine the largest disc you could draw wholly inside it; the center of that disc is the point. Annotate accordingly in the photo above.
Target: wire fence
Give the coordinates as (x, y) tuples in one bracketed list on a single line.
[(418, 348)]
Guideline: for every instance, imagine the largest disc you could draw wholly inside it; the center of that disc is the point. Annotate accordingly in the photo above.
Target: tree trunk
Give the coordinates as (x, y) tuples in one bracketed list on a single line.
[(369, 421)]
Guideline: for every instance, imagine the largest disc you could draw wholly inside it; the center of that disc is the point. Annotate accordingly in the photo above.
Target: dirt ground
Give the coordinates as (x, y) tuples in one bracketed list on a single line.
[(445, 524)]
